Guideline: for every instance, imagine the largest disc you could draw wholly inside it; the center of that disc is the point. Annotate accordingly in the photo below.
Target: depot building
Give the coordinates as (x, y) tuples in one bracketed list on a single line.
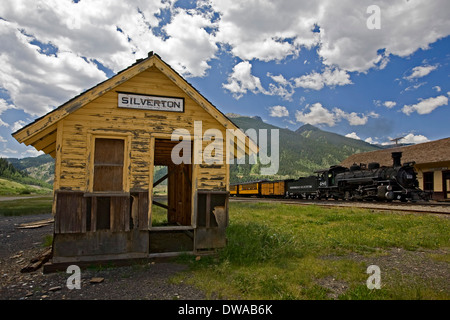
[(108, 143), (432, 164)]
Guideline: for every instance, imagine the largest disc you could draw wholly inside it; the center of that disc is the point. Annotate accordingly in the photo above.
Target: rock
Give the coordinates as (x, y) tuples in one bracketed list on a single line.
[(97, 280), (55, 288)]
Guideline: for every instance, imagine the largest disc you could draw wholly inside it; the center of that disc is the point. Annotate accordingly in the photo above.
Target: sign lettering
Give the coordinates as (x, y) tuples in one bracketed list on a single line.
[(145, 102)]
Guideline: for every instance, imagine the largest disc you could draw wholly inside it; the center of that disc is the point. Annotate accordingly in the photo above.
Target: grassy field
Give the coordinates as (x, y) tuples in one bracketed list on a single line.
[(26, 205), (8, 187), (278, 251)]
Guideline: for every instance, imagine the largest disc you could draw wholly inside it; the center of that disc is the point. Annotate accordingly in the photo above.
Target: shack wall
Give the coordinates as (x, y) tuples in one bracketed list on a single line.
[(102, 117)]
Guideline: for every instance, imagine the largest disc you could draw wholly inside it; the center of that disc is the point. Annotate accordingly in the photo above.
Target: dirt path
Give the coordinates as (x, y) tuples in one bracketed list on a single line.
[(145, 281), (10, 198)]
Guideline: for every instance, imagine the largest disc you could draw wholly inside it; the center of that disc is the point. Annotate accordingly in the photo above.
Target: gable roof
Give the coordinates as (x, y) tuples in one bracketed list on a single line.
[(41, 133), (427, 152)]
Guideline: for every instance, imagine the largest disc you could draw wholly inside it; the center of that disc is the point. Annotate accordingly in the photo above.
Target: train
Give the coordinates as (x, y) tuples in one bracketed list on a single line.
[(359, 182)]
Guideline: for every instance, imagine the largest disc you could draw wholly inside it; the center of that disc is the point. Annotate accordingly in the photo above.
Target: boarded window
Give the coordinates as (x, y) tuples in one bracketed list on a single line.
[(428, 181), (108, 164)]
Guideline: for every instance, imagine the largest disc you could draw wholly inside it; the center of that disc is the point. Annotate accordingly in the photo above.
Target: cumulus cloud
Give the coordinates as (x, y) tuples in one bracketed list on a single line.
[(278, 111), (371, 140), (317, 114), (353, 118), (425, 106), (64, 41), (437, 88), (390, 104), (316, 81), (3, 107), (274, 30), (411, 138), (241, 80), (348, 44), (420, 71), (353, 135), (17, 125), (51, 80)]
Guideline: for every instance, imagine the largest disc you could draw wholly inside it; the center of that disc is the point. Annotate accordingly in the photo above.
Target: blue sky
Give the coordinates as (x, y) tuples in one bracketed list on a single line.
[(289, 62)]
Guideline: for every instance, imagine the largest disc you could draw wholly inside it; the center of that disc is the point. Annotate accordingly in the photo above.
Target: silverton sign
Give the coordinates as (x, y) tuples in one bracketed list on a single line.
[(146, 102)]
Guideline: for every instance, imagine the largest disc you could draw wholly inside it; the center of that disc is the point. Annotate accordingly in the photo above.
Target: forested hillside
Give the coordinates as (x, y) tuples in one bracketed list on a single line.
[(9, 172), (301, 152)]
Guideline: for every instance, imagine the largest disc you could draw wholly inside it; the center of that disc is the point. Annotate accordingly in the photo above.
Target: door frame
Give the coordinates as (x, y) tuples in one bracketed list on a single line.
[(445, 177), (168, 136)]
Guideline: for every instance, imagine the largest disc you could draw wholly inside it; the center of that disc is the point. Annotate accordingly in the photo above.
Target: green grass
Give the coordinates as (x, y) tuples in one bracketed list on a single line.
[(25, 206), (8, 187), (159, 215), (278, 251)]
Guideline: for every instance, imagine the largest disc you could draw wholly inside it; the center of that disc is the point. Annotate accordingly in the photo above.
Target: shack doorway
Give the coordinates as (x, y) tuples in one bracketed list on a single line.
[(171, 227)]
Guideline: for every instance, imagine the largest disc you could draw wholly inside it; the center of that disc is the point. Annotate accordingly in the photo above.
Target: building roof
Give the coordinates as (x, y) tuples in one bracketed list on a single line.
[(42, 132), (428, 152)]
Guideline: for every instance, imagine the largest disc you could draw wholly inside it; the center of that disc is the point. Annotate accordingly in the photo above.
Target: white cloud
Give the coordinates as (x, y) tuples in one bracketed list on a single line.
[(7, 152), (3, 123), (420, 71), (371, 140), (2, 139), (411, 138), (81, 34), (353, 135), (353, 118), (50, 81), (33, 152), (414, 87), (425, 106), (278, 111), (390, 104), (317, 115), (272, 30), (3, 107), (437, 88), (329, 77), (347, 43), (241, 80), (17, 125)]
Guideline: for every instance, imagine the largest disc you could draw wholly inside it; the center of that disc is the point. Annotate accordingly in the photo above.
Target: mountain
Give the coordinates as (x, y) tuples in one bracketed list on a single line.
[(41, 167), (15, 181), (301, 152)]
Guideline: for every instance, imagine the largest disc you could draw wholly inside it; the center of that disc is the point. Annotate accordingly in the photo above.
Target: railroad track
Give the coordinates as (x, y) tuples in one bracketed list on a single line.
[(426, 207)]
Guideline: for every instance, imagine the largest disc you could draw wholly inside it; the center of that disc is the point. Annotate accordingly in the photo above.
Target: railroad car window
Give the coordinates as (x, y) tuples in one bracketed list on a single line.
[(428, 181)]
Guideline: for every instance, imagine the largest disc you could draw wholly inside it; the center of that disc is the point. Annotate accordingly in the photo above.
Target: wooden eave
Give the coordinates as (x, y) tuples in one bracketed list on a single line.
[(42, 132)]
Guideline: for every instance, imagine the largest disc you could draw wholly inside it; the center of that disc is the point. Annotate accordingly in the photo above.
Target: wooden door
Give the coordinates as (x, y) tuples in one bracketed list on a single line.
[(446, 184), (180, 194)]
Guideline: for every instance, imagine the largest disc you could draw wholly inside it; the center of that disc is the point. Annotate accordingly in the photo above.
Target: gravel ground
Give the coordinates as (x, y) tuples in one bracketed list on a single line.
[(143, 281), (151, 281)]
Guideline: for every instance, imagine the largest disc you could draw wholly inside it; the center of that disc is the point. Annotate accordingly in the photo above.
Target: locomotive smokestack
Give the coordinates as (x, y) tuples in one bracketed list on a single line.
[(396, 157)]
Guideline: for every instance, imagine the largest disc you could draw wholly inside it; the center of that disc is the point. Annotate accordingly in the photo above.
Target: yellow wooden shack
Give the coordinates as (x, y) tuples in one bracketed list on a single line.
[(106, 143)]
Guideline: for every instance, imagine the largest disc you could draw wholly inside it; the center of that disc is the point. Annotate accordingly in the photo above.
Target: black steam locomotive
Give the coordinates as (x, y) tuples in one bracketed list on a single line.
[(359, 182)]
